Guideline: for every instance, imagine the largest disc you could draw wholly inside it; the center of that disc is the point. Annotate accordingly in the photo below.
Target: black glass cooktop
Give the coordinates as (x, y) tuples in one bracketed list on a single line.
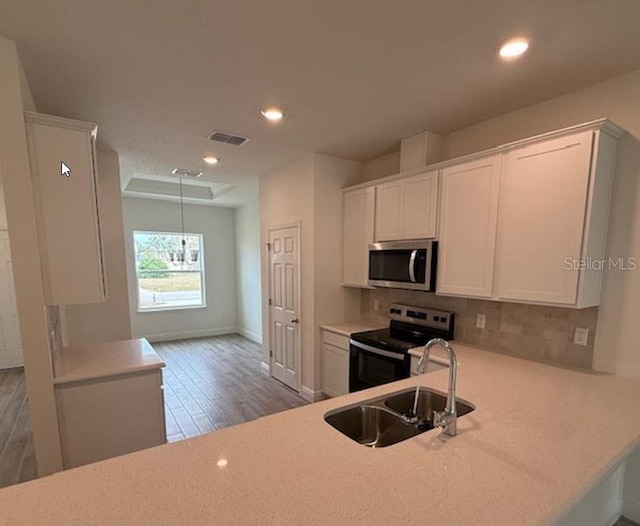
[(399, 337)]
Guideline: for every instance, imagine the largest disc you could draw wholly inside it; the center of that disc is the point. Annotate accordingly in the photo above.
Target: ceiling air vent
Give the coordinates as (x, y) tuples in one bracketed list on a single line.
[(228, 138), (183, 172)]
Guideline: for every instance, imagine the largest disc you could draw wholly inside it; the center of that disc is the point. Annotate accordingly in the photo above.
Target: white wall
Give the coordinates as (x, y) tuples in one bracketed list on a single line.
[(286, 197), (381, 166), (21, 217), (308, 191), (248, 286), (333, 303), (616, 345), (216, 225), (85, 324)]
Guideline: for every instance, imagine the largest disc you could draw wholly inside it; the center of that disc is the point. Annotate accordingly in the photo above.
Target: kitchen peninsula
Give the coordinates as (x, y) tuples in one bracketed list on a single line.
[(110, 400), (540, 439)]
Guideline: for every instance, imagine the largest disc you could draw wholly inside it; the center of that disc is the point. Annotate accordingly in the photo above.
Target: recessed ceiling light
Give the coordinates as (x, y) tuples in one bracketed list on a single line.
[(210, 159), (514, 48), (272, 114)]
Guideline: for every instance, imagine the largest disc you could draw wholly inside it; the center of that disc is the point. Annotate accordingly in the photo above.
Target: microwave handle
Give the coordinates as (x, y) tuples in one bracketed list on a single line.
[(412, 266)]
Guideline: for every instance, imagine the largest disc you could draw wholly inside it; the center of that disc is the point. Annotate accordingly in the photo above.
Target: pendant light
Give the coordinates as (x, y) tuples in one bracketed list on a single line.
[(182, 255)]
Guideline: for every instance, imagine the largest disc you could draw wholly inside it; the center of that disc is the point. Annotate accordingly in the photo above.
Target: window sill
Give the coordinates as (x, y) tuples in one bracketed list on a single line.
[(170, 309)]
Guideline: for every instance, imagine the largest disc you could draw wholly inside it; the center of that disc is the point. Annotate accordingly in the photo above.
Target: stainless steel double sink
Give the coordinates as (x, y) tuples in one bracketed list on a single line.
[(378, 422)]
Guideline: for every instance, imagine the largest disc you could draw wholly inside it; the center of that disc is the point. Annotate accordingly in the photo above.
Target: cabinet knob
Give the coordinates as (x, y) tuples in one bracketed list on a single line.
[(295, 320)]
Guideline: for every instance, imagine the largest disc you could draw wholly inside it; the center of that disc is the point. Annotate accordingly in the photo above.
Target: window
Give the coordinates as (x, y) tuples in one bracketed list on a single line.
[(165, 279)]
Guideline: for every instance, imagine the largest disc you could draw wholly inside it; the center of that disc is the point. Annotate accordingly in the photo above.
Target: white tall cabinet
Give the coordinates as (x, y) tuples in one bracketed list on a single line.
[(468, 220), (68, 221), (358, 234), (407, 208)]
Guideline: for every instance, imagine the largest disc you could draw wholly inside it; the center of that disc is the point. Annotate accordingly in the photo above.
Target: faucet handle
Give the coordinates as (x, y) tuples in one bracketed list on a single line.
[(443, 418), (439, 418)]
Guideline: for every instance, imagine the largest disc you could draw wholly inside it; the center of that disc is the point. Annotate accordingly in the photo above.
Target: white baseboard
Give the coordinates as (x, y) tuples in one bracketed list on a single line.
[(184, 335), (253, 336), (611, 521), (264, 367), (310, 395), (631, 510)]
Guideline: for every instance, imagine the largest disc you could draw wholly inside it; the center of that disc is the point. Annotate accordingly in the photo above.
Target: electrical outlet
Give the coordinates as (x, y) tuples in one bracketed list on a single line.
[(376, 304), (481, 321), (581, 336)]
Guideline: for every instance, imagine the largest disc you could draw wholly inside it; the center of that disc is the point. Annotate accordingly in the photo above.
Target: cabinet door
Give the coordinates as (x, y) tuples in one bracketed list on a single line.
[(68, 215), (335, 370), (542, 212), (420, 206), (468, 218), (358, 234), (389, 211), (109, 417)]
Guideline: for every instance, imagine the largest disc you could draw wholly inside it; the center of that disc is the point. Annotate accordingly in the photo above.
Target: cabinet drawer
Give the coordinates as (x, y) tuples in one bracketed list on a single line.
[(336, 340)]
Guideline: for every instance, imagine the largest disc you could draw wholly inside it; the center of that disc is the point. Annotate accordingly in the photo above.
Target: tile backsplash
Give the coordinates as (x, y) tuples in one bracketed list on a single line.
[(531, 331)]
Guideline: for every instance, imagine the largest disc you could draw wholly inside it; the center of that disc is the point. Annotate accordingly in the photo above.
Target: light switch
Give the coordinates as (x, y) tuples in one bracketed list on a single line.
[(481, 321)]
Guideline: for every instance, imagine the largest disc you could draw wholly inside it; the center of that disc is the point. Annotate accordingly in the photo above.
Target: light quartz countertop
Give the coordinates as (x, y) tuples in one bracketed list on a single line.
[(347, 329), (536, 443), (87, 362)]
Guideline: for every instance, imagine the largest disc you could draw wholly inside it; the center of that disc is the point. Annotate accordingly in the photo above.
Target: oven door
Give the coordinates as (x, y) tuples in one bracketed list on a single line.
[(403, 264), (370, 366)]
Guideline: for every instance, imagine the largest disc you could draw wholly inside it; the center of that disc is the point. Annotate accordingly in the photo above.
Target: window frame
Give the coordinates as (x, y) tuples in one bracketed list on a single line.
[(203, 288)]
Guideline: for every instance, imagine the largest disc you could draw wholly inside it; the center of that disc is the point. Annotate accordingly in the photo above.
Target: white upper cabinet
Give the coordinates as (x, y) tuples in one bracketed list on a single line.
[(523, 222), (407, 208), (358, 234), (68, 225), (554, 207), (468, 218)]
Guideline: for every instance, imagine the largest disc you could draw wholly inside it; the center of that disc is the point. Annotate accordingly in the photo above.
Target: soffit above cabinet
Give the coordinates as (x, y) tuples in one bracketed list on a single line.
[(602, 124)]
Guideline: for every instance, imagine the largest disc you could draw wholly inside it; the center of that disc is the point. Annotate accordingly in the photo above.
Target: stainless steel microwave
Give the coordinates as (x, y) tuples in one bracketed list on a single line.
[(404, 265)]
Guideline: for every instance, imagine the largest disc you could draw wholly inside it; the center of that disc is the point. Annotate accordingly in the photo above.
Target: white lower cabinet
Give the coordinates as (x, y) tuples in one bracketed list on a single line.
[(335, 364), (107, 417)]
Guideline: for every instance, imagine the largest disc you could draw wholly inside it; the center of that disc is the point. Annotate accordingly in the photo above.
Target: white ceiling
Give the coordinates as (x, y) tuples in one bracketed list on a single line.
[(353, 76)]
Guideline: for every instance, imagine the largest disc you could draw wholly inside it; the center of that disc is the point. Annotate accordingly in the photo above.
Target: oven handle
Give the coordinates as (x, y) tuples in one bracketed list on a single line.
[(412, 266), (375, 350)]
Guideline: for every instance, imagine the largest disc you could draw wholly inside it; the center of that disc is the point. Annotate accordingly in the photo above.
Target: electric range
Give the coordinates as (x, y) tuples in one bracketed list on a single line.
[(381, 356)]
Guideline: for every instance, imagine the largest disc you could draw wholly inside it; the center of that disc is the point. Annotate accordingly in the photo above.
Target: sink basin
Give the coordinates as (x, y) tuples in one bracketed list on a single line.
[(428, 402), (371, 426), (378, 422)]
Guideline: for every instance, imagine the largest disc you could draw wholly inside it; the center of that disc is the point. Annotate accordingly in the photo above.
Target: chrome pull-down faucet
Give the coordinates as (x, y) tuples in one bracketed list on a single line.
[(446, 419)]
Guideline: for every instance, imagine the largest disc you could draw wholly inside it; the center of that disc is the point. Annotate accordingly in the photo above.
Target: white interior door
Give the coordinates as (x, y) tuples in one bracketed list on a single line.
[(10, 344), (284, 309)]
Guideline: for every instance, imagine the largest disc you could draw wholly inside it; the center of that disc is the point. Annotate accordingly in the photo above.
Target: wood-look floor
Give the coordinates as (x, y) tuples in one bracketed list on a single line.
[(216, 382), (210, 383), (17, 458)]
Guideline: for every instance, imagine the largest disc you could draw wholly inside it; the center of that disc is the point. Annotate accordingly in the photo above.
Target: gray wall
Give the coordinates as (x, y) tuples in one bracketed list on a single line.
[(85, 324), (217, 226)]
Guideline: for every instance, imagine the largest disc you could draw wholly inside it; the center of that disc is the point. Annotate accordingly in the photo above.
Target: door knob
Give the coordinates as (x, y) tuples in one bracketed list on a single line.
[(295, 320)]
